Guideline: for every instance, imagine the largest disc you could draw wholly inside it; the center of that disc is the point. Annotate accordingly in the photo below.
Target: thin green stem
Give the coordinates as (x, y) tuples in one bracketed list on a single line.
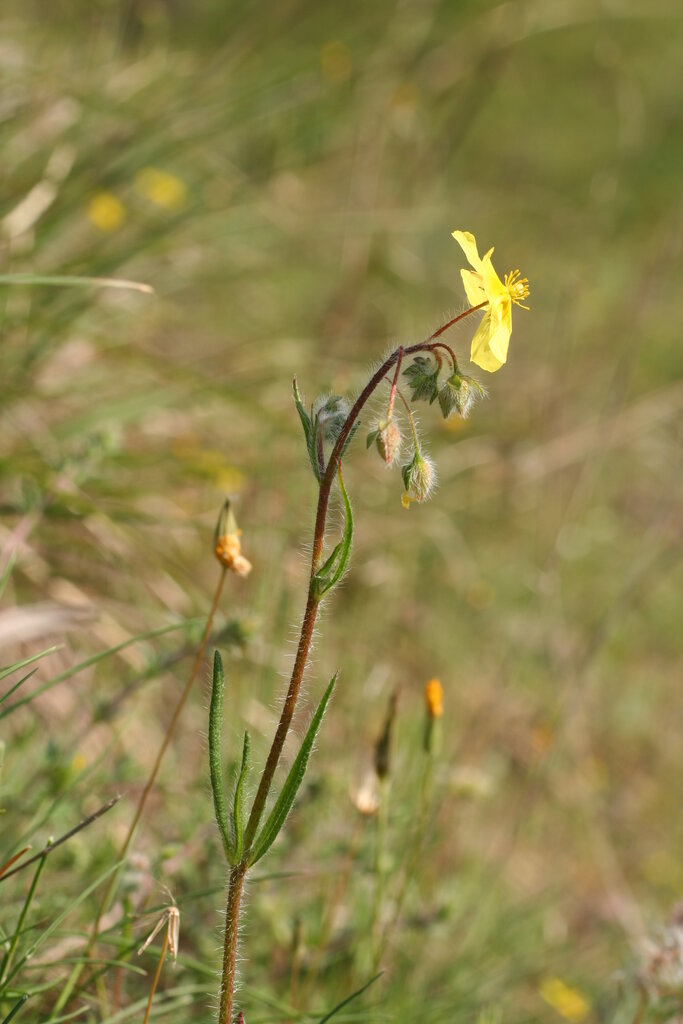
[(9, 955)]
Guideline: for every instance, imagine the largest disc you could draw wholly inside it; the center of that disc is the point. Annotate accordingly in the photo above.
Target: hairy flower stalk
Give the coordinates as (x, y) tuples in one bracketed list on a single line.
[(326, 473)]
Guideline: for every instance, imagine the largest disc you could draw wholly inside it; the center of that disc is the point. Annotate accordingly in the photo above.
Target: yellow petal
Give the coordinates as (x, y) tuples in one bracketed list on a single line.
[(493, 285), (499, 341), (468, 244), (481, 353), (474, 287)]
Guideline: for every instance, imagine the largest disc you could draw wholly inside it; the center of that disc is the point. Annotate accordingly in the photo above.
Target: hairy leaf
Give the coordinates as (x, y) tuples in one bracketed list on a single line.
[(283, 804)]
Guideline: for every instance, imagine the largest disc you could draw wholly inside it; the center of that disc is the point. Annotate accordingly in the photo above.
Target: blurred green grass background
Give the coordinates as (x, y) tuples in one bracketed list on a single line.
[(286, 177)]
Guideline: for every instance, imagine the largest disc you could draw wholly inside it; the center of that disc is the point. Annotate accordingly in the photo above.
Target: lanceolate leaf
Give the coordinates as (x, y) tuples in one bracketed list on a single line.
[(334, 568), (238, 806), (216, 754), (283, 804)]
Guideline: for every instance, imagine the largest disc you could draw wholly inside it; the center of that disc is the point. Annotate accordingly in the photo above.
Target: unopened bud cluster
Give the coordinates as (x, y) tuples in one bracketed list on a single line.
[(456, 394)]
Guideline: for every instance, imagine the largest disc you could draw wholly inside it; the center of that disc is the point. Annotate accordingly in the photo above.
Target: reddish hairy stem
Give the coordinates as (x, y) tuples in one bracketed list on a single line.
[(392, 394), (232, 917)]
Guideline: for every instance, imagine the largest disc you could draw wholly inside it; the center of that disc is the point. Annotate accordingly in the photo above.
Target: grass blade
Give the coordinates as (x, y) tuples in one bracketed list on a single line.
[(15, 1009), (66, 281), (349, 999), (69, 673)]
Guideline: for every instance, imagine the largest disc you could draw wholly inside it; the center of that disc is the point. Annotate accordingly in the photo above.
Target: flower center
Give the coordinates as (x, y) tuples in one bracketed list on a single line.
[(518, 287)]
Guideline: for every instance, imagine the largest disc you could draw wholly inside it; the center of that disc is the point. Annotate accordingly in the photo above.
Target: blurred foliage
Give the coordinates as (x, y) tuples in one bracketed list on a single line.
[(287, 176)]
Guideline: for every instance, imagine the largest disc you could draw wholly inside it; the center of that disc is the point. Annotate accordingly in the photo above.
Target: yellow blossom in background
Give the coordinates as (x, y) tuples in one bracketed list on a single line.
[(161, 188), (434, 698), (490, 343), (106, 212), (569, 1003), (335, 62)]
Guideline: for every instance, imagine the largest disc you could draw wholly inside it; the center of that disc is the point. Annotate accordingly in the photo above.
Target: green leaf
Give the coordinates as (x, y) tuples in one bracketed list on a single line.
[(329, 574), (310, 430), (216, 755), (238, 811), (423, 378), (283, 804)]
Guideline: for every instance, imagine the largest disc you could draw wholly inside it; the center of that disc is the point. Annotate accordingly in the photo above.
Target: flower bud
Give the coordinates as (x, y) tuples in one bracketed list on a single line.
[(331, 414), (458, 394), (434, 698), (388, 441), (227, 545), (419, 477), (383, 744), (434, 709)]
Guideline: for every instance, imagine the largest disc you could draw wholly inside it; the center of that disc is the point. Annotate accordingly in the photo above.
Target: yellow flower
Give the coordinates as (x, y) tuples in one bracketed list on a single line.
[(569, 1003), (434, 698), (161, 188), (490, 343), (106, 212)]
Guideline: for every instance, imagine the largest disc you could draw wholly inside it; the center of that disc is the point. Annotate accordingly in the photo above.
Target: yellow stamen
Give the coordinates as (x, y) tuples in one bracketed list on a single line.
[(517, 287)]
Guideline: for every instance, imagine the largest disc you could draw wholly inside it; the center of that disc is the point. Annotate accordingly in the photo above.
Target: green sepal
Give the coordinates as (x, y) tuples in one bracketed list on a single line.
[(423, 378), (216, 755), (283, 804), (238, 811), (407, 470), (371, 438), (330, 573), (310, 430)]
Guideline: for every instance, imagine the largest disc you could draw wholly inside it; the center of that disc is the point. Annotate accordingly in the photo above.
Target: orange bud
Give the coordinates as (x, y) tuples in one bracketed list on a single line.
[(434, 698)]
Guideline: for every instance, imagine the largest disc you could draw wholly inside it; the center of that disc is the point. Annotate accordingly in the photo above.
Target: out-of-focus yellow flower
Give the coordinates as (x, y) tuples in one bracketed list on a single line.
[(106, 212), (490, 343), (434, 698), (569, 1003), (229, 553), (335, 62), (161, 188)]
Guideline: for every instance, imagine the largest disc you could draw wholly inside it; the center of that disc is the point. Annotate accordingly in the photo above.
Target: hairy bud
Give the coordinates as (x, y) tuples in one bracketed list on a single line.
[(459, 394), (331, 415), (419, 477), (388, 441)]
